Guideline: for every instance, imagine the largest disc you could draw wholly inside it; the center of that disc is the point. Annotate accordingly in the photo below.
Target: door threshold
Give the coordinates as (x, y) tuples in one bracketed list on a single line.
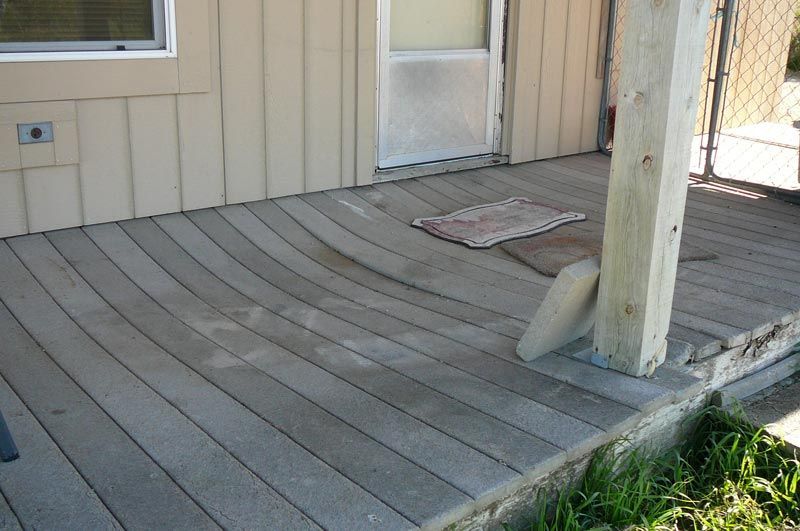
[(432, 168)]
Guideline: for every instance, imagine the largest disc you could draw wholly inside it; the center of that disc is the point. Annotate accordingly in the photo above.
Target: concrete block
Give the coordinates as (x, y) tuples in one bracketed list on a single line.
[(567, 312)]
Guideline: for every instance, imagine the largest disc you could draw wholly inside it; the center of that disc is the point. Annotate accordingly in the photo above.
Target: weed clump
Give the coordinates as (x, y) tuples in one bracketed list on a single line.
[(728, 475)]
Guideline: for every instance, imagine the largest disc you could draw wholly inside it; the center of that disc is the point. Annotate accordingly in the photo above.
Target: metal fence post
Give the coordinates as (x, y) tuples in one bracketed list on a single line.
[(721, 73), (609, 62)]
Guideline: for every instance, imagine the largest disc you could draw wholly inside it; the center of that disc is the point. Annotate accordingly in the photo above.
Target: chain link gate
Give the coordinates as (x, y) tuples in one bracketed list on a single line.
[(748, 124)]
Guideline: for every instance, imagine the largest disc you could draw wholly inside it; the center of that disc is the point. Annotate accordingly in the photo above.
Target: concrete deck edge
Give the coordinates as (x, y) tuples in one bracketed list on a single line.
[(658, 430)]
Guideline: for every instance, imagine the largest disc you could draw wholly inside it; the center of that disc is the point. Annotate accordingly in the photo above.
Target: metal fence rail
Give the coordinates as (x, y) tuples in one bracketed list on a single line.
[(748, 125)]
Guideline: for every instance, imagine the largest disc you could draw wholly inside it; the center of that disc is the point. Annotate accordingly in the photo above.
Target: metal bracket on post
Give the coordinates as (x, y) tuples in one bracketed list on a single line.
[(8, 450), (728, 12)]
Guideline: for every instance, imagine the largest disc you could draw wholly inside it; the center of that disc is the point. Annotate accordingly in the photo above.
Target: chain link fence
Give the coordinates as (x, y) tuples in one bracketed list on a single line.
[(748, 124)]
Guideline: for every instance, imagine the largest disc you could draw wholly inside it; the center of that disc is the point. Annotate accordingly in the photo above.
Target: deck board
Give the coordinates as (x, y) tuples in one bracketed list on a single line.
[(422, 339), (240, 431), (411, 491), (382, 383), (154, 425), (325, 354), (42, 487), (387, 233), (407, 270), (68, 414), (305, 242), (8, 520), (474, 380)]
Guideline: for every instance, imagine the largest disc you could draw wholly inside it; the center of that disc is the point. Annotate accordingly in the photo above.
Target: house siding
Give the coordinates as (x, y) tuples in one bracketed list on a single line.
[(279, 98), (554, 97)]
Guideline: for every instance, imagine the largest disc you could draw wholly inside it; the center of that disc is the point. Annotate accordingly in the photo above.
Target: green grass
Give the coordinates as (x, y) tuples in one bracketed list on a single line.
[(794, 48), (729, 475)]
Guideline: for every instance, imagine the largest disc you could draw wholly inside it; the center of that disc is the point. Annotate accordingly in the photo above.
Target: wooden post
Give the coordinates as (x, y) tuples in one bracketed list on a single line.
[(662, 58)]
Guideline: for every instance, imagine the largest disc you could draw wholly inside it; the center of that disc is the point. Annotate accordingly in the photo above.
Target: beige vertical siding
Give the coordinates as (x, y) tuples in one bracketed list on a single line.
[(155, 165), (323, 91), (13, 214), (268, 98), (106, 179), (244, 126), (284, 39), (552, 88)]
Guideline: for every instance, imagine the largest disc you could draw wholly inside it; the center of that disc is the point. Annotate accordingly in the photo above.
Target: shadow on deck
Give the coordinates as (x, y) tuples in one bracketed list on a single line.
[(313, 361)]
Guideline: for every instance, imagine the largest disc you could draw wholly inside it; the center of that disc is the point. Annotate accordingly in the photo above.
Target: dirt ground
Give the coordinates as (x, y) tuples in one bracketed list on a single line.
[(788, 110), (778, 408)]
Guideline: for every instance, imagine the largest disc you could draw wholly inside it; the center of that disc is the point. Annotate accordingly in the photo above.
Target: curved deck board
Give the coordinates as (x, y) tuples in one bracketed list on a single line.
[(406, 270), (306, 243), (68, 413), (420, 340), (370, 341), (321, 350), (42, 486), (248, 437), (385, 232), (701, 205), (419, 496), (359, 409), (476, 373), (268, 242), (145, 416)]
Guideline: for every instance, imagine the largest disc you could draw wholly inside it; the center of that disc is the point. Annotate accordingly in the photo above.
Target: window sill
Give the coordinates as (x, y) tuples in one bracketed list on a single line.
[(159, 72), (38, 57)]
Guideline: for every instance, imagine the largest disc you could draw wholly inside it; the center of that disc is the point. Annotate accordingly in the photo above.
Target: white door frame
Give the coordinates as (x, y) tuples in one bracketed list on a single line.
[(494, 94)]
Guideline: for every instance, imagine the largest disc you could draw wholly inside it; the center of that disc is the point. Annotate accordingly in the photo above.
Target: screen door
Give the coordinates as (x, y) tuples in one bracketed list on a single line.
[(439, 72)]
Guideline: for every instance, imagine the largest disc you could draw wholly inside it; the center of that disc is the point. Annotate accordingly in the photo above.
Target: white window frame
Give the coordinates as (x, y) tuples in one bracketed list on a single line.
[(163, 20)]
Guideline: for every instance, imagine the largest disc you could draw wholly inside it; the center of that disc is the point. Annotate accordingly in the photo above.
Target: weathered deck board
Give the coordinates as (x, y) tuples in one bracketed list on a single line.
[(593, 193), (376, 347), (359, 408), (325, 354), (420, 339), (294, 234), (407, 270), (152, 423), (700, 228), (249, 438), (340, 206), (419, 496), (8, 520), (269, 242), (702, 206), (68, 414), (42, 486), (595, 199)]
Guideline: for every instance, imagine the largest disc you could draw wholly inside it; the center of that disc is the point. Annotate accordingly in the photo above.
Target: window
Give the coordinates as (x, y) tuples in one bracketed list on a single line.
[(110, 27)]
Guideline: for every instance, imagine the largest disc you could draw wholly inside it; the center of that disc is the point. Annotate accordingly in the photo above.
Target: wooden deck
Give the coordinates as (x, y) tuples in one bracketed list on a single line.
[(313, 361)]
